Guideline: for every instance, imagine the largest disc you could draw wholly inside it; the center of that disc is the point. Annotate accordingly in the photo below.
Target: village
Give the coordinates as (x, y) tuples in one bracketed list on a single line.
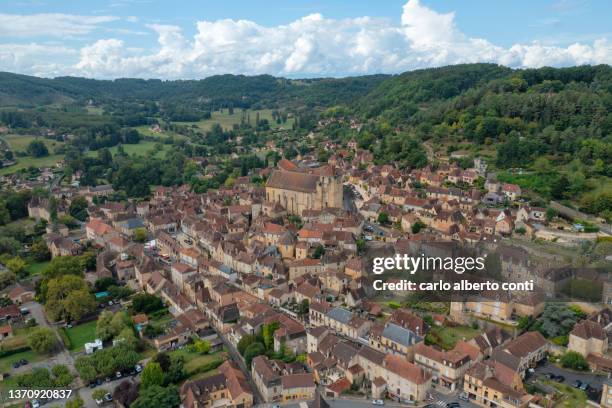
[(277, 278)]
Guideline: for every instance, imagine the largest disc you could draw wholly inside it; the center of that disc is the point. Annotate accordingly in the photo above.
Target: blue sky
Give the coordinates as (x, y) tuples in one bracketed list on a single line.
[(295, 38)]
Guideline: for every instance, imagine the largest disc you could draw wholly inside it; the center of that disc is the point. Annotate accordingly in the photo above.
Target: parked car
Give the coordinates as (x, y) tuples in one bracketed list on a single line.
[(108, 397), (559, 378), (453, 405), (577, 384), (378, 402), (35, 403), (118, 374), (23, 361), (463, 396), (16, 364), (138, 368), (584, 386)]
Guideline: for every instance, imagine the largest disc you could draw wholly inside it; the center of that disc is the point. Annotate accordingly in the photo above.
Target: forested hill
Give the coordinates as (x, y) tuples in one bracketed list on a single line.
[(564, 113), (219, 90)]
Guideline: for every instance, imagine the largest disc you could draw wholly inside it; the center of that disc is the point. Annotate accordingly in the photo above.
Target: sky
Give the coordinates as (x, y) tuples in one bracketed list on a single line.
[(191, 39)]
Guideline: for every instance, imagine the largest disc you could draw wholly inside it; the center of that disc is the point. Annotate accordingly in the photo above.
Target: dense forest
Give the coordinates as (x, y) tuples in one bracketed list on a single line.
[(547, 129)]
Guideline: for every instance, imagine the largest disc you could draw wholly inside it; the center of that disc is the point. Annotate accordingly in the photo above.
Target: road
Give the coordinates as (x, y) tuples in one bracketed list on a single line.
[(63, 357), (349, 200), (237, 358)]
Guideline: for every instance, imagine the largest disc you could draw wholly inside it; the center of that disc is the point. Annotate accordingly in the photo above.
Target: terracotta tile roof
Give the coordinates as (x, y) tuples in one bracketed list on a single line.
[(339, 386), (405, 369), (526, 343), (588, 329), (298, 381)]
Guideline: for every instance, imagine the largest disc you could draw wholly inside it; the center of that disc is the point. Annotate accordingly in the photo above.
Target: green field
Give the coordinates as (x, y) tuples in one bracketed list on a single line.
[(6, 363), (19, 143), (227, 121), (145, 130), (25, 162), (194, 360), (447, 337), (81, 334), (35, 268), (143, 148)]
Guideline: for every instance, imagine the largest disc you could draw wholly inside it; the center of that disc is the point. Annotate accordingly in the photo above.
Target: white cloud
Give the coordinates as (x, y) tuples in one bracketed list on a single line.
[(318, 46), (35, 59), (49, 24)]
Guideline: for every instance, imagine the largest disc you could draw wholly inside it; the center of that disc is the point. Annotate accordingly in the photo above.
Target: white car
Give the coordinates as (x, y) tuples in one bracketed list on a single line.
[(378, 402)]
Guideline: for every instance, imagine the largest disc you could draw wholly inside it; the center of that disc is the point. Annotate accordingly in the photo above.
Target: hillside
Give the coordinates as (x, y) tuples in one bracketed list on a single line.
[(548, 130), (553, 124), (237, 90)]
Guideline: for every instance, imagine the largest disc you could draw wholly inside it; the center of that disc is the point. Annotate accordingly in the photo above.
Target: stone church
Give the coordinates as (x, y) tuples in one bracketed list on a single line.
[(297, 189)]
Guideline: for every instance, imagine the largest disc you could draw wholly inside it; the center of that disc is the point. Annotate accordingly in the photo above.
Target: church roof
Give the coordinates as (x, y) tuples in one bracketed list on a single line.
[(289, 180)]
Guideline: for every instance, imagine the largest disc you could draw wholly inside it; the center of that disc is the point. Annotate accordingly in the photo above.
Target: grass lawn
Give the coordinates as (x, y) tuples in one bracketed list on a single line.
[(194, 360), (81, 334), (572, 397), (35, 268), (6, 363), (447, 337)]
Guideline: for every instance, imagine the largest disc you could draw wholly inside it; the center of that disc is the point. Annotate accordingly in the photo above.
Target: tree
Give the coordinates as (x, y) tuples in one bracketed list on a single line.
[(42, 340), (102, 284), (319, 251), (152, 375), (267, 333), (62, 375), (6, 278), (63, 265), (9, 245), (39, 251), (37, 148), (146, 303), (417, 227), (383, 218), (110, 324), (68, 297), (126, 393), (78, 208), (75, 403), (556, 320), (252, 351), (140, 234), (99, 394), (574, 360), (16, 265), (158, 397), (202, 346), (304, 307), (244, 342)]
